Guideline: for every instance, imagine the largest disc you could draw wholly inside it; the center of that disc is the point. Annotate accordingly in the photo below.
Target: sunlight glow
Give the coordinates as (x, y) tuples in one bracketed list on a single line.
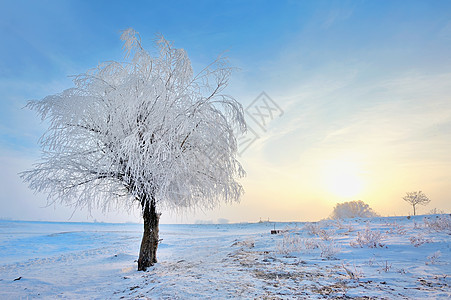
[(343, 178)]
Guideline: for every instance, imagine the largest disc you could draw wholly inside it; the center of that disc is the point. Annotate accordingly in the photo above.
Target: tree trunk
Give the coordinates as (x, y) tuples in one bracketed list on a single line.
[(149, 243), (414, 210)]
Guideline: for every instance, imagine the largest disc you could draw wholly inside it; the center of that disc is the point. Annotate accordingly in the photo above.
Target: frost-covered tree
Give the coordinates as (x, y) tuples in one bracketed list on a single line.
[(415, 198), (144, 131), (352, 209)]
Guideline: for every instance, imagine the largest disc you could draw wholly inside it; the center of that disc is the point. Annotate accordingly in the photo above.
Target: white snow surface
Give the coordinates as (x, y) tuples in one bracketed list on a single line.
[(378, 258)]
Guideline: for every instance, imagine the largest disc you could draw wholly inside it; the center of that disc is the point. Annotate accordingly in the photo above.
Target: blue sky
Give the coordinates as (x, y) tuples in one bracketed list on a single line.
[(364, 86)]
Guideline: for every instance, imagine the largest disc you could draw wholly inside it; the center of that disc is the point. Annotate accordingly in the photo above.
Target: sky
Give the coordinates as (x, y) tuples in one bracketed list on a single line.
[(359, 93)]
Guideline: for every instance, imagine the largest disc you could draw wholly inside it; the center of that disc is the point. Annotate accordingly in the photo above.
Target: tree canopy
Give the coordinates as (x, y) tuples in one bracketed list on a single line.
[(144, 128), (352, 209)]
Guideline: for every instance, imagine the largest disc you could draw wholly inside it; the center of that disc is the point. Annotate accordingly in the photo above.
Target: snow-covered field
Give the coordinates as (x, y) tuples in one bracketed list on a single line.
[(390, 258)]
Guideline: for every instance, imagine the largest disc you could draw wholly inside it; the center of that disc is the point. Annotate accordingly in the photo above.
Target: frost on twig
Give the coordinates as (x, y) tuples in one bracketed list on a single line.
[(369, 238), (418, 240), (433, 258)]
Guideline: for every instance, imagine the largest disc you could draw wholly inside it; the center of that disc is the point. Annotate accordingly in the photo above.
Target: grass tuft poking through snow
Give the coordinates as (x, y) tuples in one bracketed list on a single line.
[(439, 223), (369, 238)]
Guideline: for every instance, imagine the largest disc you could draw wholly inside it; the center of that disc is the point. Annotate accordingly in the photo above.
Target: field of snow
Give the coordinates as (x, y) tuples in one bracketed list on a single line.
[(381, 258)]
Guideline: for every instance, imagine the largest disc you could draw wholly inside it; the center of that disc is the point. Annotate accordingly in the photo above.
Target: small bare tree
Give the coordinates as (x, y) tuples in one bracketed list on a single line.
[(415, 198), (143, 131)]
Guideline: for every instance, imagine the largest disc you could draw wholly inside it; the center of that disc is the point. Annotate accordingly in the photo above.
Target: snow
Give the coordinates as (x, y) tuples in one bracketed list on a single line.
[(306, 260)]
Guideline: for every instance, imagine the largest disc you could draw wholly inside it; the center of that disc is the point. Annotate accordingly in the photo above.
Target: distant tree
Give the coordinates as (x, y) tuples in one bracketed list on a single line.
[(415, 198), (352, 209), (436, 211), (142, 131)]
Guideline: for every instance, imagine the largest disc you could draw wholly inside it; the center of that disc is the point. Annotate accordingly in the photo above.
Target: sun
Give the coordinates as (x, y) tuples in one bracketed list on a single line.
[(343, 178)]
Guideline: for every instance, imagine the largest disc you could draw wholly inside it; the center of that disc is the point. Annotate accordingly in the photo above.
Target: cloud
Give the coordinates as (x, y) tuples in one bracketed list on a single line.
[(445, 32), (337, 15)]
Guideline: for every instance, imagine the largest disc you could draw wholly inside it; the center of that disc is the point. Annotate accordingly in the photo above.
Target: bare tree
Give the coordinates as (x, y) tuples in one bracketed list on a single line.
[(415, 198), (144, 131)]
